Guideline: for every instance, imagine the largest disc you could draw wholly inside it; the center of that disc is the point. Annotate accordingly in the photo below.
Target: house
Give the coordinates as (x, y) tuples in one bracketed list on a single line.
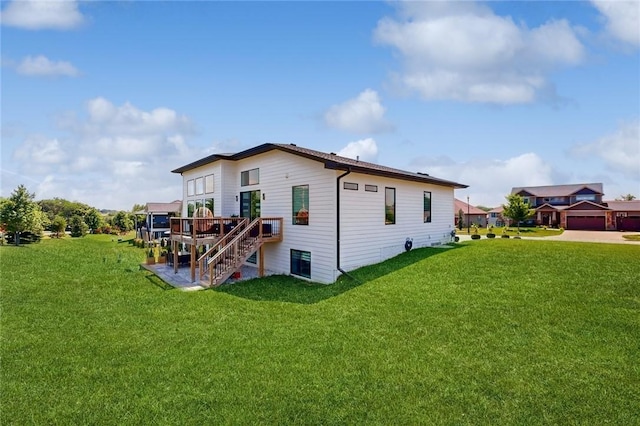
[(495, 217), (579, 206), (157, 219), (471, 215), (310, 214)]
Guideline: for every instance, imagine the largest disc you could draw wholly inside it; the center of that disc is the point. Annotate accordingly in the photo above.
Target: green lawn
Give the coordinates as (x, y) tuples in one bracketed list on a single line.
[(513, 231), (494, 332)]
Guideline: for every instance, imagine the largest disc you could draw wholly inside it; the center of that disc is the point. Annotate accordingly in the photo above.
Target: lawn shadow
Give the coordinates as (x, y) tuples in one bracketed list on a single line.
[(284, 288), (157, 281)]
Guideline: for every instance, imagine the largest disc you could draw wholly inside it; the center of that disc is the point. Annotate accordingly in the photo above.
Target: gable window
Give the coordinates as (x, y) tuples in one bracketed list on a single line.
[(427, 206), (199, 186), (586, 197), (250, 177), (300, 202), (191, 188), (208, 184), (371, 188), (389, 206), (350, 185), (525, 200), (301, 263)]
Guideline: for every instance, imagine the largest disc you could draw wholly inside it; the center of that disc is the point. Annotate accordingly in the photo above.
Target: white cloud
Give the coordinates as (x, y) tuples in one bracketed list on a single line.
[(620, 151), (365, 150), (362, 114), (40, 153), (40, 66), (113, 157), (622, 19), (462, 51), (39, 14), (489, 181)]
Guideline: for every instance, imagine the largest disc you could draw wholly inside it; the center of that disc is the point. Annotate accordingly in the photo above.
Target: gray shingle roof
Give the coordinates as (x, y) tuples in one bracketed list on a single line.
[(558, 190)]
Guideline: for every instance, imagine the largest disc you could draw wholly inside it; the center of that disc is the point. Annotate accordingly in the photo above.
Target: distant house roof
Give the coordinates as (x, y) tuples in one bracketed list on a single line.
[(331, 161), (498, 209), (173, 207), (461, 205), (629, 206), (558, 190)]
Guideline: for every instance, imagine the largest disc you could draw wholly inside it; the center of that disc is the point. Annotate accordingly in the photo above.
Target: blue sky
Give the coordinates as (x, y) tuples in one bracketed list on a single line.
[(101, 100)]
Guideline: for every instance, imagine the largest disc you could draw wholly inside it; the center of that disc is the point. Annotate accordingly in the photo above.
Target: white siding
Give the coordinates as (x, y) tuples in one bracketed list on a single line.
[(366, 239), (279, 172)]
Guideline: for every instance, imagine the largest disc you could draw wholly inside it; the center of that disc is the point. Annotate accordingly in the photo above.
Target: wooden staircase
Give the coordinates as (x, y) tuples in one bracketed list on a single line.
[(230, 253)]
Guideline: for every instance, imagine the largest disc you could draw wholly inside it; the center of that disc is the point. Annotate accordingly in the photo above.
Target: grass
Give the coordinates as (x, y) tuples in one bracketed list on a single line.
[(507, 331), (513, 231)]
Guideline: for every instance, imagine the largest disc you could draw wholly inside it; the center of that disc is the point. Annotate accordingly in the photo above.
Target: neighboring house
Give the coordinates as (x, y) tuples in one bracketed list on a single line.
[(472, 215), (326, 214), (624, 215), (157, 219), (495, 218), (578, 206)]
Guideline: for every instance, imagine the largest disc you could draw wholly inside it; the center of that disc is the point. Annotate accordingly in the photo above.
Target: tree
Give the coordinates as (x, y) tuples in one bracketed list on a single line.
[(517, 210), (628, 197), (460, 219), (78, 227), (19, 213), (58, 225), (94, 219), (122, 220)]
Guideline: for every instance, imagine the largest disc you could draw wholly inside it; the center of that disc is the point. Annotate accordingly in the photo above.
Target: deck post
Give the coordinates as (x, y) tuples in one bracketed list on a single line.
[(174, 253), (193, 263), (261, 262)]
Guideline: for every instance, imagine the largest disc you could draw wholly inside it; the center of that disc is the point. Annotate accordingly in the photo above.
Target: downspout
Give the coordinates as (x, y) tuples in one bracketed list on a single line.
[(342, 271)]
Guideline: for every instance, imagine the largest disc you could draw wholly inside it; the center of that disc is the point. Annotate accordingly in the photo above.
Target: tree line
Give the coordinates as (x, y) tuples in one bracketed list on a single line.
[(21, 217)]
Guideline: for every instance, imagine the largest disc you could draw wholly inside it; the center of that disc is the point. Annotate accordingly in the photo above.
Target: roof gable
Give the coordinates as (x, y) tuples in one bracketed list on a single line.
[(586, 205), (330, 161)]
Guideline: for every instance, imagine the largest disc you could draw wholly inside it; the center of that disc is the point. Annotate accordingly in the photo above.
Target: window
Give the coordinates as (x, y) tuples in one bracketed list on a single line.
[(300, 202), (199, 186), (525, 200), (208, 203), (427, 206), (208, 184), (250, 177), (351, 186), (191, 188), (586, 197), (389, 206), (191, 208), (371, 188), (301, 263)]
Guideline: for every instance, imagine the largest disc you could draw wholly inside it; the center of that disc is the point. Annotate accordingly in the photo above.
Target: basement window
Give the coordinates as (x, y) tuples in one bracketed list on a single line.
[(301, 263)]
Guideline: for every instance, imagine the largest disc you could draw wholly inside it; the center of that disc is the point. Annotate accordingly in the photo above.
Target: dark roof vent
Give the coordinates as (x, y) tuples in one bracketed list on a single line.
[(333, 153), (424, 174), (293, 144)]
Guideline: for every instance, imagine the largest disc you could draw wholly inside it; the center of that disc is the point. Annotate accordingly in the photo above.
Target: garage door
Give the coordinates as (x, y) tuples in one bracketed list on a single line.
[(629, 223), (591, 223)]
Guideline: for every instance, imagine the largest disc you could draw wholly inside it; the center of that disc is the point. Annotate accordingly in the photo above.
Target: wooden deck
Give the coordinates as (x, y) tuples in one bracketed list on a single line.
[(188, 235)]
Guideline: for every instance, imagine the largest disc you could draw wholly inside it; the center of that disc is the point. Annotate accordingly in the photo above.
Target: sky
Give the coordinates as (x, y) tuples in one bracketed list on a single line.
[(100, 100)]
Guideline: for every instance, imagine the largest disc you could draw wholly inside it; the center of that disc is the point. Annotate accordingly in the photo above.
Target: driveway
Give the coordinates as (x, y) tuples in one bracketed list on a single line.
[(594, 237), (613, 237)]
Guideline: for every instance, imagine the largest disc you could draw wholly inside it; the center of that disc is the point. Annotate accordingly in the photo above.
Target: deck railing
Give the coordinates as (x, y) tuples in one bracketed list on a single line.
[(203, 227)]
